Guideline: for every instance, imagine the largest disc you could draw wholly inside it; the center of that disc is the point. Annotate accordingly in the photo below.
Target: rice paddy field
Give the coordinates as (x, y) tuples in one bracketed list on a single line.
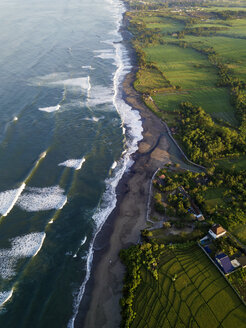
[(190, 70), (190, 292), (180, 63)]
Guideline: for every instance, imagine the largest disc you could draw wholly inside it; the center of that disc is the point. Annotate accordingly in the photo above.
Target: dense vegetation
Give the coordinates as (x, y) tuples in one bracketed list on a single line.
[(226, 187), (192, 74), (204, 140)]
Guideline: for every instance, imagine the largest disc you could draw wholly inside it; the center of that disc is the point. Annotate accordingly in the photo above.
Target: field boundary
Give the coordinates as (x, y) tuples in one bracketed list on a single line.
[(223, 275)]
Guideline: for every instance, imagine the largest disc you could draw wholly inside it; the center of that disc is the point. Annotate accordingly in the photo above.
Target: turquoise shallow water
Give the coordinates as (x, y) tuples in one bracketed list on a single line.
[(66, 137)]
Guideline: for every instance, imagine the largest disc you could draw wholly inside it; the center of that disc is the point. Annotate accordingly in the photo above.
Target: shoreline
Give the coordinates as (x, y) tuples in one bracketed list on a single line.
[(100, 304)]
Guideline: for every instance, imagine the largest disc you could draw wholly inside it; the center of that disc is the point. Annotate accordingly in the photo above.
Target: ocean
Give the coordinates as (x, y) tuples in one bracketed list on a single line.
[(66, 139)]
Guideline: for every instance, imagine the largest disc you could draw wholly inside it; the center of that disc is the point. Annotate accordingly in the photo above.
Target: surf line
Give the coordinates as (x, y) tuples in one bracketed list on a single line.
[(23, 186), (5, 297)]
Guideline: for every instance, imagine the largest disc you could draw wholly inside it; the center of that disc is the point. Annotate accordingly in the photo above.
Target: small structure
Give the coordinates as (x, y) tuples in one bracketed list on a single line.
[(235, 263), (200, 217), (162, 176), (224, 262), (217, 231)]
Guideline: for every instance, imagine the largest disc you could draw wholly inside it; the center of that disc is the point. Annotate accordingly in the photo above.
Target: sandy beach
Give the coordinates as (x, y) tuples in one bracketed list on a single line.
[(100, 304)]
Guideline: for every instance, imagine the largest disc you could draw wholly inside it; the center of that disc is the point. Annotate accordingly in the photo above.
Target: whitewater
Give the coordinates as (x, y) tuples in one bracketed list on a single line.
[(131, 128)]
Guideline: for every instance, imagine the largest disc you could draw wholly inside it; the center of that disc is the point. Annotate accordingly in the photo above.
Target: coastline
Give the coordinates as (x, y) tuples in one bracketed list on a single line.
[(100, 304)]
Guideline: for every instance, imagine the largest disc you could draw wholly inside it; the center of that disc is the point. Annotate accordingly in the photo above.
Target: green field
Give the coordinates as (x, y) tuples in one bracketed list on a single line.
[(149, 79), (236, 163), (197, 78), (199, 296), (185, 67), (215, 101), (240, 232), (165, 24), (230, 49), (214, 196)]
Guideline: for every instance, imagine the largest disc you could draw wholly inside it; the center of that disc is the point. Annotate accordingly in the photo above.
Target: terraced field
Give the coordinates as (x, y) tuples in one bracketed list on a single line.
[(190, 292)]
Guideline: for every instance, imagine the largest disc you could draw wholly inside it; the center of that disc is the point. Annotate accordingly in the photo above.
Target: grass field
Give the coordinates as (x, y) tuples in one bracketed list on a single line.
[(240, 232), (238, 163), (214, 196), (165, 24), (191, 70), (215, 101), (185, 67), (230, 49), (199, 296), (148, 80)]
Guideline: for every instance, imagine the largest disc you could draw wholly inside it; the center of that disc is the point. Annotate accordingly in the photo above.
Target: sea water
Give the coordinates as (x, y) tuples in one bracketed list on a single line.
[(66, 139)]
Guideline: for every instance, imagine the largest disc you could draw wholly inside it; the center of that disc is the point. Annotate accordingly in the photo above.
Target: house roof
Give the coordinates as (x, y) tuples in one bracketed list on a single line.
[(224, 262), (217, 229)]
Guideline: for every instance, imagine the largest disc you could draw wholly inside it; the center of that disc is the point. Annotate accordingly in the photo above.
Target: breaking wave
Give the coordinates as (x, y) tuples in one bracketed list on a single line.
[(94, 119), (21, 247), (105, 54), (5, 296), (88, 67), (50, 109), (9, 198), (42, 199), (100, 95), (81, 82), (73, 163), (132, 127), (83, 241)]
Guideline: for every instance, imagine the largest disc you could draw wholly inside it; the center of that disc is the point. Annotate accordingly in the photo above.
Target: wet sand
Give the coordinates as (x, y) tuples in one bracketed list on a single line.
[(100, 304)]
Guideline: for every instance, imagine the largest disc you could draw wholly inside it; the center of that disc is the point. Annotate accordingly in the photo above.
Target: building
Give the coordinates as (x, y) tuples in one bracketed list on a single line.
[(217, 231), (200, 217), (224, 263)]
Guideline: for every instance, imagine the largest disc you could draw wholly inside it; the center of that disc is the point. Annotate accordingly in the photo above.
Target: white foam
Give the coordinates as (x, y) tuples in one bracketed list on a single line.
[(81, 82), (42, 199), (51, 221), (73, 163), (83, 241), (105, 54), (100, 95), (94, 119), (88, 67), (43, 155), (9, 198), (15, 119), (5, 296), (81, 244), (50, 109), (24, 246), (89, 87), (41, 244), (132, 122), (114, 165)]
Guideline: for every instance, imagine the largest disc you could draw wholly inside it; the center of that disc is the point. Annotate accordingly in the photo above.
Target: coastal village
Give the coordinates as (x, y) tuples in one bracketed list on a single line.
[(226, 252), (188, 269)]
